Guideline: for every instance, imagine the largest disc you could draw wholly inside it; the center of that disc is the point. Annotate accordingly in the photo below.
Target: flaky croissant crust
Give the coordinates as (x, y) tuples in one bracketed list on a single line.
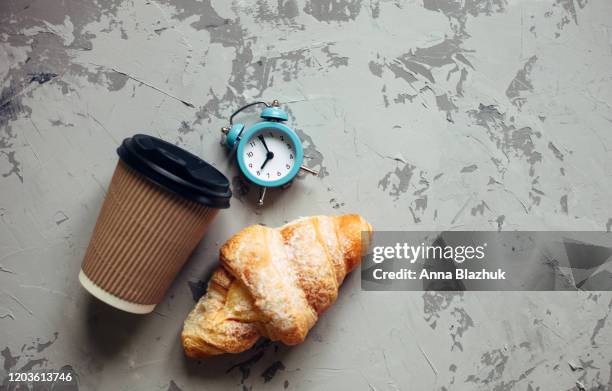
[(274, 283)]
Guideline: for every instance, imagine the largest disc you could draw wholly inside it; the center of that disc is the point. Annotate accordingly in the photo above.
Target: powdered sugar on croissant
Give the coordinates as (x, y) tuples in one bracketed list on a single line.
[(274, 283)]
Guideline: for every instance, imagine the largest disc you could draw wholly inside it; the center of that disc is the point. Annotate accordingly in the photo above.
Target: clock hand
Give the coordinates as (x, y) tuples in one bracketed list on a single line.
[(263, 141), (269, 154), (269, 157)]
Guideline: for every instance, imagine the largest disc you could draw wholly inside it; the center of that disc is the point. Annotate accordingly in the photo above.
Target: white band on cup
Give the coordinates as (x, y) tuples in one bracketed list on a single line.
[(113, 300)]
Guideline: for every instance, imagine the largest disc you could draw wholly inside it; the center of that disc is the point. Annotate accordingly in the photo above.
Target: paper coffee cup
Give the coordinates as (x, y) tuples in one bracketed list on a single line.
[(159, 204)]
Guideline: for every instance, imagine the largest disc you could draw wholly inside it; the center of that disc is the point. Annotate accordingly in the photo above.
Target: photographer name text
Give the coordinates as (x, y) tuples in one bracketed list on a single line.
[(424, 274)]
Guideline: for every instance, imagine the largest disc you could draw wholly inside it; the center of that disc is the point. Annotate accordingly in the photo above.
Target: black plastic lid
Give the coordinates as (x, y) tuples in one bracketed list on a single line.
[(176, 170)]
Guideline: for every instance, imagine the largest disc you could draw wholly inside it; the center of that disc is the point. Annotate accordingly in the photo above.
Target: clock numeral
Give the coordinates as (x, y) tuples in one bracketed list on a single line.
[(250, 154), (282, 138), (250, 165), (291, 156), (289, 146), (252, 143), (271, 134), (278, 173), (287, 166), (268, 175), (258, 173)]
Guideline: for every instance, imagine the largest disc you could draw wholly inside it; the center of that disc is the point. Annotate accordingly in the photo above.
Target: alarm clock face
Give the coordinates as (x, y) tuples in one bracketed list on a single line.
[(270, 156)]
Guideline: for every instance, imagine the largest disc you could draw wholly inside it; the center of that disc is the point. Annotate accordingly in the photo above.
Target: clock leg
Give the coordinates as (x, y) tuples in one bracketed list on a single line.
[(310, 170), (262, 195)]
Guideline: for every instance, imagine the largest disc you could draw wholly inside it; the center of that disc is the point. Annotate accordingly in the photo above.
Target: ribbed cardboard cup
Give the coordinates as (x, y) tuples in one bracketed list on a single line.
[(146, 228)]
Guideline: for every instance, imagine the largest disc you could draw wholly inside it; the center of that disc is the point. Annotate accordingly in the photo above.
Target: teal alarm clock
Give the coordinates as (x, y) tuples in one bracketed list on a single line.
[(269, 153)]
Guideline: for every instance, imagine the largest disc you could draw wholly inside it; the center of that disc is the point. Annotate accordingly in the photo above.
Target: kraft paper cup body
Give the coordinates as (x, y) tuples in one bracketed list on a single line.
[(142, 238)]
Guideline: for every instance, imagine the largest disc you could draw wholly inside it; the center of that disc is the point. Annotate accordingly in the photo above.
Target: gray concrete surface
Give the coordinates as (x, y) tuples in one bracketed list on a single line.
[(475, 114)]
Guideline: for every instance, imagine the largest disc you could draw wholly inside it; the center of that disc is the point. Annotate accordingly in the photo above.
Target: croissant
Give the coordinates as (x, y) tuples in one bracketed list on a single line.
[(274, 283)]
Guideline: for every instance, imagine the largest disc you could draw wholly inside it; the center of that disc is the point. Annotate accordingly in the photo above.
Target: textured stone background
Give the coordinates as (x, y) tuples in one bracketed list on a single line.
[(473, 114)]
